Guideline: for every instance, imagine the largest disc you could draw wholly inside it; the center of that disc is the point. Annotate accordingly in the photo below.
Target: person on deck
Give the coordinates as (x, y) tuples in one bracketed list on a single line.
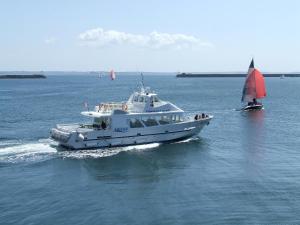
[(254, 101), (151, 102), (103, 125)]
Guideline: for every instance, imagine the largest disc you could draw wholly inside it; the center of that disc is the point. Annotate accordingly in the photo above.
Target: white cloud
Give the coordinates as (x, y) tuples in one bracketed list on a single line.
[(50, 40), (100, 37)]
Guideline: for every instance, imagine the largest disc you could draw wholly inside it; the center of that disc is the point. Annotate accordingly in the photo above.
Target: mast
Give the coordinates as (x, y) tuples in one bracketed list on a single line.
[(142, 83)]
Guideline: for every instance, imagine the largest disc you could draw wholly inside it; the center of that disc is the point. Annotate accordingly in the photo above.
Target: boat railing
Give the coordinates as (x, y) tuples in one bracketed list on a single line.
[(95, 126), (110, 106), (75, 126)]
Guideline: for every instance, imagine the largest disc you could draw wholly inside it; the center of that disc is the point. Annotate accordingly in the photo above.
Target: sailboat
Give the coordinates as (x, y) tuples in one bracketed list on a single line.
[(112, 75), (254, 88)]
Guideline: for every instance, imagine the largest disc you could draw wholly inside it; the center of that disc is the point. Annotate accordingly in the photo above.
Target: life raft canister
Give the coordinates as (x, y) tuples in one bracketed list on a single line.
[(124, 107)]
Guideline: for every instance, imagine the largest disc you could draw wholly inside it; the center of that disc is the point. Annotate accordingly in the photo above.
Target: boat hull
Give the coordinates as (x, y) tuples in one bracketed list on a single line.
[(159, 134), (253, 107)]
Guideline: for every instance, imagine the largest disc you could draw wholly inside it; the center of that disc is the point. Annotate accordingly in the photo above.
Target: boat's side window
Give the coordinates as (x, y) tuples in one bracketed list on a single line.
[(174, 118), (101, 122), (141, 99), (97, 120), (177, 118), (135, 123), (164, 120), (135, 98), (149, 121), (156, 99)]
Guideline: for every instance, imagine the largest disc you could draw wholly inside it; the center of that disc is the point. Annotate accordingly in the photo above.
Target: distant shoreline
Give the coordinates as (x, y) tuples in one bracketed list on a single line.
[(203, 75), (32, 76)]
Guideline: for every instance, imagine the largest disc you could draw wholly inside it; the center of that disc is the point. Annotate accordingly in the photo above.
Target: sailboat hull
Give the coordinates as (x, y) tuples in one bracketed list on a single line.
[(253, 107)]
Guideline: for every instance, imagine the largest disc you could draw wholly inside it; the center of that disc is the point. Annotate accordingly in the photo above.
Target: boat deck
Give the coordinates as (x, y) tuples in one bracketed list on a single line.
[(74, 127)]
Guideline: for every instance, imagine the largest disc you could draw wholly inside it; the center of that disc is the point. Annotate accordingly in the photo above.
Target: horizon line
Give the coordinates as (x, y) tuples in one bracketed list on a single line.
[(107, 71)]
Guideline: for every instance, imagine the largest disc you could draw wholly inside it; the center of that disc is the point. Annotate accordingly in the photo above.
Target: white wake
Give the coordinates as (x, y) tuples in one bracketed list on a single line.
[(26, 152), (105, 152), (45, 149)]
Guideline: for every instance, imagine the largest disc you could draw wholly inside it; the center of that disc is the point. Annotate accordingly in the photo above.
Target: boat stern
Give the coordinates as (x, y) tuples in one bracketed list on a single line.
[(65, 135)]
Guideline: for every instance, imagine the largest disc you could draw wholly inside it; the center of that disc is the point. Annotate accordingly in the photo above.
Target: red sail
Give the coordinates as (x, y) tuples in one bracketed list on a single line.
[(260, 84), (254, 86)]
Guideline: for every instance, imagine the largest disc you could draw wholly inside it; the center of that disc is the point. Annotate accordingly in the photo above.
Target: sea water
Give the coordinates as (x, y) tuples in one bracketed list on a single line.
[(241, 169)]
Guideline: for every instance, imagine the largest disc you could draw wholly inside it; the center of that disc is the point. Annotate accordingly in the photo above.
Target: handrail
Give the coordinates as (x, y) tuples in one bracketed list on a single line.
[(110, 106)]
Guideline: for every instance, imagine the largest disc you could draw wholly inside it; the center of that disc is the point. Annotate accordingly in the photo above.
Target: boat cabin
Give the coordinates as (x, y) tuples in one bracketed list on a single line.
[(124, 120), (143, 109)]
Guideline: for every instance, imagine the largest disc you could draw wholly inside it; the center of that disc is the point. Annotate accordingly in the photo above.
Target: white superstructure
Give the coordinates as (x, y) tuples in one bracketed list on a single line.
[(144, 118)]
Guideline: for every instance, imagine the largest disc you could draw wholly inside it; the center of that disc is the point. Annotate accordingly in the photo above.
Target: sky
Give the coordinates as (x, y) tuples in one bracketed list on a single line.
[(150, 36)]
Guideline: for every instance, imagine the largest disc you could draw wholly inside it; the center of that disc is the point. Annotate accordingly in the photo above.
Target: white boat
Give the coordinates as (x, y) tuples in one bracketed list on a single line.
[(143, 119)]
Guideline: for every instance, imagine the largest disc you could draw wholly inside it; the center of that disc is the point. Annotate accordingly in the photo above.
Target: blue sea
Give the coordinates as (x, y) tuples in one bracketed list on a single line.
[(244, 168)]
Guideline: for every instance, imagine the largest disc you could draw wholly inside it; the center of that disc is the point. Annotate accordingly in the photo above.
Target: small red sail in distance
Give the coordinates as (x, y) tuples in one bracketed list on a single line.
[(254, 85), (112, 75)]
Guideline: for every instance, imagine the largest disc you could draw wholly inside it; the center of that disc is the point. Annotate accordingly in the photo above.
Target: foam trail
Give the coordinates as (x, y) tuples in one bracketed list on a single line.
[(16, 151), (27, 152), (195, 138), (141, 147), (85, 154), (7, 143), (100, 153)]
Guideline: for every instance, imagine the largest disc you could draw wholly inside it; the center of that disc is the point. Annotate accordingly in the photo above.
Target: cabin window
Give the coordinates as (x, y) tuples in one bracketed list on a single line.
[(156, 99), (173, 118), (135, 98), (149, 121), (135, 123), (102, 122), (99, 120), (177, 118), (164, 120), (141, 99)]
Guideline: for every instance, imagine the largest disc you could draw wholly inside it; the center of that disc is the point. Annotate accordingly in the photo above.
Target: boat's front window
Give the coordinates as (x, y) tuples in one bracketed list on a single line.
[(165, 120), (156, 99), (170, 119), (149, 121), (176, 118), (135, 123)]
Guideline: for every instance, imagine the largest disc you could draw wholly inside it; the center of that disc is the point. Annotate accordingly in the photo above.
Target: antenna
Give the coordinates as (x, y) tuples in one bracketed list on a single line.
[(143, 85)]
